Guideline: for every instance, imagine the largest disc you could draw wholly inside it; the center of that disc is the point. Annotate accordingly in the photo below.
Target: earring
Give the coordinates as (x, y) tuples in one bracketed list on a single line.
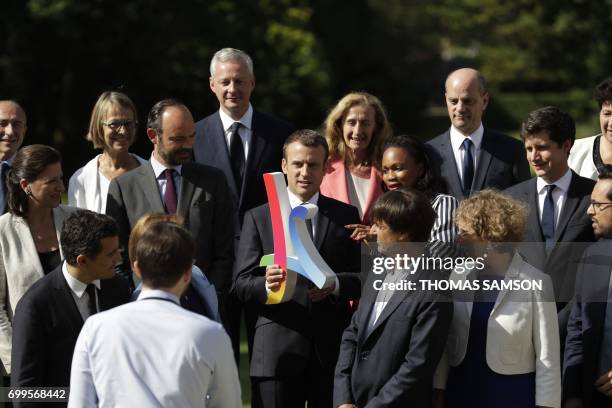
[(29, 192)]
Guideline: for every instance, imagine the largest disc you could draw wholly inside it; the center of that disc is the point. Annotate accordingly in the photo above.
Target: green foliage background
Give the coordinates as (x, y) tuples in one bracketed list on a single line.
[(59, 55)]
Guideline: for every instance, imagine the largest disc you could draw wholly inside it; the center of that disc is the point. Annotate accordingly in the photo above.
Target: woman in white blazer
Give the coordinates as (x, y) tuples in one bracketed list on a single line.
[(503, 348), (590, 154), (29, 231), (112, 128)]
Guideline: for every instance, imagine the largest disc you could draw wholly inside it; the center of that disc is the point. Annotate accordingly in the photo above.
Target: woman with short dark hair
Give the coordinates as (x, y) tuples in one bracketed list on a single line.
[(390, 351), (29, 231)]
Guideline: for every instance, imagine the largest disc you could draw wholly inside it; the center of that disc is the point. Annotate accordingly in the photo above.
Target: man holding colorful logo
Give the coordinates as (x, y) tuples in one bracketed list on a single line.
[(299, 326)]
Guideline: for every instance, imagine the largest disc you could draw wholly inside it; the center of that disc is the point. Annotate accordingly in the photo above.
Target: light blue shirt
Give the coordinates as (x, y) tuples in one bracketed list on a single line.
[(158, 169), (153, 353)]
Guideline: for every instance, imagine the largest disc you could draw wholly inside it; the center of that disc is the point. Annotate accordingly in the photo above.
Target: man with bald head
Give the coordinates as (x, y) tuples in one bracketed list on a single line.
[(13, 125), (470, 157), (170, 182)]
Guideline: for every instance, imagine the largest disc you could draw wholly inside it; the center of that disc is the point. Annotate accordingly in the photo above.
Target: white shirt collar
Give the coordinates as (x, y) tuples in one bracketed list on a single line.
[(457, 137), (76, 285), (158, 168), (246, 120), (146, 293), (294, 200), (562, 183)]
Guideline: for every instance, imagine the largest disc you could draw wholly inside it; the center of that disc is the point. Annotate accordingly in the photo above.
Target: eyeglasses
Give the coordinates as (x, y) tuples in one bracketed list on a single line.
[(115, 125), (600, 206)]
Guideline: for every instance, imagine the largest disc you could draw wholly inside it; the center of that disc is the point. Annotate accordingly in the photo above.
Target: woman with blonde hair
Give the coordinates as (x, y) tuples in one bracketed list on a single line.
[(503, 348), (112, 128), (355, 129), (200, 296)]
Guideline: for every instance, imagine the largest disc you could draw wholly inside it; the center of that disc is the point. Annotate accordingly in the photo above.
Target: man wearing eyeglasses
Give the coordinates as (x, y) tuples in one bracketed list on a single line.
[(13, 126), (557, 224), (587, 379)]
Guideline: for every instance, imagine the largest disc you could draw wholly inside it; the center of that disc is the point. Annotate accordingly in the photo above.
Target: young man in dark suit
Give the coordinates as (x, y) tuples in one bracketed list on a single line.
[(587, 372), (49, 317), (244, 144), (558, 198), (171, 183), (391, 349), (296, 343), (469, 156)]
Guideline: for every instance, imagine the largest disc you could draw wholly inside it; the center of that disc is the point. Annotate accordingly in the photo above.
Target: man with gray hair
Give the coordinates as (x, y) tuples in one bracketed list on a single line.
[(469, 156), (243, 143), (13, 126)]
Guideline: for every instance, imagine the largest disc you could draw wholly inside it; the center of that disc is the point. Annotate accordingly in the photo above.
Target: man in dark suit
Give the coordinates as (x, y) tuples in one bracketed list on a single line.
[(558, 198), (296, 343), (171, 183), (241, 142), (470, 157), (391, 349), (13, 126), (49, 317), (587, 373)]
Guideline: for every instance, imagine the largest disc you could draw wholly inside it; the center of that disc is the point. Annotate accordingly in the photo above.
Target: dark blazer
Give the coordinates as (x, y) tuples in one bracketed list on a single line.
[(502, 163), (265, 154), (585, 326), (573, 228), (308, 330), (46, 325), (393, 365), (204, 203)]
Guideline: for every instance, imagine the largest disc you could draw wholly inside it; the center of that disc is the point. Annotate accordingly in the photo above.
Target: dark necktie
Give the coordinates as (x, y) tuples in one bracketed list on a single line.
[(308, 223), (468, 166), (93, 306), (548, 218), (237, 155), (170, 193), (4, 167)]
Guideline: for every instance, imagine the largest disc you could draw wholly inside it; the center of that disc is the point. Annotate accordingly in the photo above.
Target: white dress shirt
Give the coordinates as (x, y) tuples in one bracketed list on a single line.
[(457, 139), (79, 293), (559, 194), (153, 353), (158, 169), (245, 131)]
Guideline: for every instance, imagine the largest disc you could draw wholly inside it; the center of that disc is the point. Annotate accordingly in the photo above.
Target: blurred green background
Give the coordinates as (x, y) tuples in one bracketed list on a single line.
[(57, 56)]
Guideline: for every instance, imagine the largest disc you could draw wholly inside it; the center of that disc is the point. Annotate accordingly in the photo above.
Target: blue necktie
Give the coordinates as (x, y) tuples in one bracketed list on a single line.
[(4, 167), (468, 166), (548, 218)]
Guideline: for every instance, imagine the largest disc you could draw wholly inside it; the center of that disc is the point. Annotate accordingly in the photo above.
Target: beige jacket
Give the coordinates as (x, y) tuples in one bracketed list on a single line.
[(522, 334), (19, 268)]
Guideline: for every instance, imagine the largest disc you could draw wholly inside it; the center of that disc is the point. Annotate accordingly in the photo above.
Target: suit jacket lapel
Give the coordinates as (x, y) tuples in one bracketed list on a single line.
[(534, 210), (569, 207), (256, 149), (65, 293), (449, 167), (484, 159), (513, 273), (396, 299), (150, 187), (216, 140), (322, 222), (187, 190)]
